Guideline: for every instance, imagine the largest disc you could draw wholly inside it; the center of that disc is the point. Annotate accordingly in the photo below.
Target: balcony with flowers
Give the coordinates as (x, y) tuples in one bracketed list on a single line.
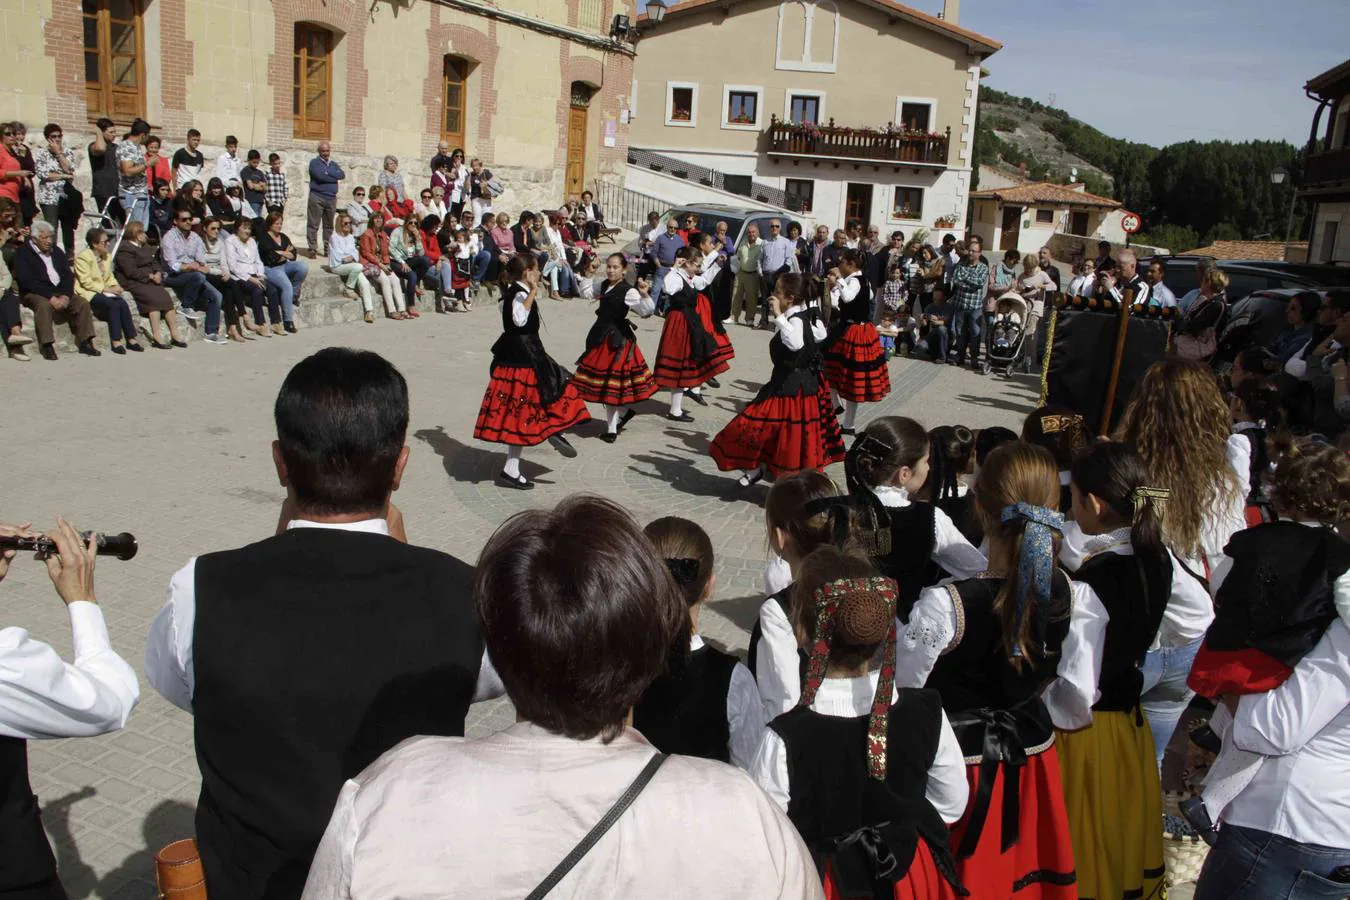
[(892, 144)]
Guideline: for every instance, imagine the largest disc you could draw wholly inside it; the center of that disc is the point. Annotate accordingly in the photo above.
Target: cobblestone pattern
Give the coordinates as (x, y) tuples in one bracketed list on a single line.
[(175, 447)]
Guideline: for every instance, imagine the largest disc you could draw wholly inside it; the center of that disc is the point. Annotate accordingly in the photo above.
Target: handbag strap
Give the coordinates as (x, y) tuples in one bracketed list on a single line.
[(594, 835)]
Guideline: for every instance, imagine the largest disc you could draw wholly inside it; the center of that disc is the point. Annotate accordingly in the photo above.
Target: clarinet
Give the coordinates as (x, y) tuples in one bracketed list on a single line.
[(123, 546)]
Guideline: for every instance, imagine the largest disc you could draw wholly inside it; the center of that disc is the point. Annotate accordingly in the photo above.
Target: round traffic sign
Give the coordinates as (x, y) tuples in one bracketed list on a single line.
[(1130, 223)]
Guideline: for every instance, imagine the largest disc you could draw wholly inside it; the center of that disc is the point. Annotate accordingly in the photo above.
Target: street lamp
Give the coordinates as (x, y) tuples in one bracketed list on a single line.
[(656, 11), (1277, 177)]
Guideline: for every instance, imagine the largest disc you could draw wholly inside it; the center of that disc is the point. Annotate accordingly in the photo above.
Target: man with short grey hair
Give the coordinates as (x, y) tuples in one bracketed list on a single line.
[(47, 286), (1127, 278), (324, 178)]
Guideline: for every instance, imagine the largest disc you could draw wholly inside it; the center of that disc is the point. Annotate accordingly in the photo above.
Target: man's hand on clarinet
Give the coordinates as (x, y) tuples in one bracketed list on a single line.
[(11, 531), (72, 567)]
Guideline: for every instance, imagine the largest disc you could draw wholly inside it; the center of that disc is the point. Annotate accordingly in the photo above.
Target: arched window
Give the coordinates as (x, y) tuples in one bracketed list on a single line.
[(792, 32), (824, 34), (808, 36), (312, 95), (114, 59), (454, 99)]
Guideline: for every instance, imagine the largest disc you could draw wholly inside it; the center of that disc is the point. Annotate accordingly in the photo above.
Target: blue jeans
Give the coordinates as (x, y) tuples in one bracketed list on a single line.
[(657, 282), (938, 339), (194, 291), (480, 266), (287, 278), (1166, 695), (1247, 864), (966, 332), (137, 207)]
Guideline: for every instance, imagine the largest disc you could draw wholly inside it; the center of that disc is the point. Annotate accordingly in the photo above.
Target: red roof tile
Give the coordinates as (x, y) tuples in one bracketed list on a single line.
[(1269, 250), (1043, 193)]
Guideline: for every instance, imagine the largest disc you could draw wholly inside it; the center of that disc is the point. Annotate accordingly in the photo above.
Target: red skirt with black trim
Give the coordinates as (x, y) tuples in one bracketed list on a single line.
[(784, 433), (1040, 865), (613, 377), (855, 364), (513, 413), (923, 881), (675, 365)]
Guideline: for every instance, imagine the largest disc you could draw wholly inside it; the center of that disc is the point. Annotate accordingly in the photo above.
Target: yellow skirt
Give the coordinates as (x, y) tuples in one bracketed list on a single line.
[(1114, 801)]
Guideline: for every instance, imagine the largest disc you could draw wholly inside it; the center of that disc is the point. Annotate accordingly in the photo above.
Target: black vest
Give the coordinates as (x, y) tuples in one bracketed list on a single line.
[(1135, 596), (1279, 596), (26, 859), (685, 712), (794, 371), (684, 302), (520, 347), (784, 600), (611, 318), (859, 309), (315, 651), (913, 534), (976, 673), (832, 795)]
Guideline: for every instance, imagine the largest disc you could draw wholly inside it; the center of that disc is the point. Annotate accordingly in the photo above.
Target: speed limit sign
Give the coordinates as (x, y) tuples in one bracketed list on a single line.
[(1129, 223)]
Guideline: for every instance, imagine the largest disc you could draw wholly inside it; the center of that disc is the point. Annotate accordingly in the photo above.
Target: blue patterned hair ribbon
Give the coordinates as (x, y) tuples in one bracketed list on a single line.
[(1036, 566)]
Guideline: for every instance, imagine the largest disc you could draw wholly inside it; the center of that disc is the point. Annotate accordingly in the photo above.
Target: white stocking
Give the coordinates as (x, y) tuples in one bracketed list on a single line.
[(850, 413), (512, 467), (612, 414), (677, 402)]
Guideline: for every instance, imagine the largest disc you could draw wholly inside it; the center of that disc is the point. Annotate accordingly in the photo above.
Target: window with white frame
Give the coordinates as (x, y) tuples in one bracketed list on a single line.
[(916, 113), (742, 106), (907, 204), (804, 107), (681, 104)]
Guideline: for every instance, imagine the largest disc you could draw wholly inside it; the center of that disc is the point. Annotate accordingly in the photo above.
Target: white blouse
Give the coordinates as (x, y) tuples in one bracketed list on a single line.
[(342, 250), (791, 332), (848, 698), (243, 259), (845, 289), (1225, 518), (446, 816), (951, 550), (933, 627), (676, 279), (643, 306)]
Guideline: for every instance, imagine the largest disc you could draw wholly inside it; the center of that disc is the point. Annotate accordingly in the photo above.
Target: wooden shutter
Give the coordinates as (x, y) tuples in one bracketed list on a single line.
[(312, 97)]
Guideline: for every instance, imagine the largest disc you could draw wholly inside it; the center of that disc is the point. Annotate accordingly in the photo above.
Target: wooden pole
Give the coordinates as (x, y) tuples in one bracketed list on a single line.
[(1122, 329)]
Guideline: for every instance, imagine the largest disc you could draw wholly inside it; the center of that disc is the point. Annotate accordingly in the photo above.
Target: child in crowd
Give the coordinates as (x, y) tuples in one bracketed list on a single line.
[(987, 439), (802, 512), (858, 758), (1288, 581), (854, 364), (462, 264), (1111, 785), (893, 291), (937, 317), (885, 467), (689, 354), (790, 426), (1258, 415), (612, 370), (951, 461), (1014, 652), (907, 340), (888, 331), (707, 704), (1061, 431), (1007, 323)]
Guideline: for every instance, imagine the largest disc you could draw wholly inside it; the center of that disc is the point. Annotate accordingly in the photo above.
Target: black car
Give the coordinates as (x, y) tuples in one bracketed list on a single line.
[(1181, 274), (1323, 275), (1255, 321)]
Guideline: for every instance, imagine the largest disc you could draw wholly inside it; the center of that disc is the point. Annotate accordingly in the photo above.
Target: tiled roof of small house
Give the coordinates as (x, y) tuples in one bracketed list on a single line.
[(1269, 250), (1044, 193)]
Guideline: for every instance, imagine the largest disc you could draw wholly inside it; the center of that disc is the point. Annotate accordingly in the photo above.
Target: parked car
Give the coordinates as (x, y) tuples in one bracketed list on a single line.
[(738, 218), (1182, 275), (1254, 321), (1321, 274)]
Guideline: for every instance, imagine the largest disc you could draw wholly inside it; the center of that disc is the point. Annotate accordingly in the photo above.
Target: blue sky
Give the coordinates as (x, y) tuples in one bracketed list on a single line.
[(1161, 71)]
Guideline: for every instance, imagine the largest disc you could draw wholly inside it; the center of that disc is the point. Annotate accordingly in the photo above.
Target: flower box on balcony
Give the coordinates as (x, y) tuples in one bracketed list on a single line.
[(889, 144)]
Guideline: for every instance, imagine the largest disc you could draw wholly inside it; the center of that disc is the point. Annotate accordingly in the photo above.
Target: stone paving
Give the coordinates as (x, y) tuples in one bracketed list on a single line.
[(175, 447)]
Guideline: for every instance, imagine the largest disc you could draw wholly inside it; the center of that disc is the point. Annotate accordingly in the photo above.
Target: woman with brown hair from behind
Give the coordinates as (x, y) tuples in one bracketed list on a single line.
[(1014, 652), (1178, 421)]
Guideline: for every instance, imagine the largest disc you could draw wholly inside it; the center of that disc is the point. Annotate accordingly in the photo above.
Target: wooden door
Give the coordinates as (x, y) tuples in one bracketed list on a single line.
[(1012, 228), (312, 87), (858, 203), (453, 75), (114, 59), (576, 151)]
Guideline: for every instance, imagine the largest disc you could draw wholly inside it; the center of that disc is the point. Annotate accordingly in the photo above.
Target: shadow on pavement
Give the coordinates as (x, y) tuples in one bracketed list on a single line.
[(680, 473), (997, 403), (169, 821), (470, 464), (743, 612), (697, 441)]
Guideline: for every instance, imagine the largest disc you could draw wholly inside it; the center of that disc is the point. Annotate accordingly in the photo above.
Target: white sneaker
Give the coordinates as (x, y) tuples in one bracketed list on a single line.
[(216, 339)]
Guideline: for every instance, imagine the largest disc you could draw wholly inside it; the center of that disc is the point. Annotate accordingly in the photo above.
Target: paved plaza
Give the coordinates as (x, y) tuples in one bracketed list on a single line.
[(175, 447)]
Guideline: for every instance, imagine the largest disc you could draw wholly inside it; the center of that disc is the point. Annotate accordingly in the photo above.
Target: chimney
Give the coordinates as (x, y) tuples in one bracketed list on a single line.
[(951, 11), (1021, 167)]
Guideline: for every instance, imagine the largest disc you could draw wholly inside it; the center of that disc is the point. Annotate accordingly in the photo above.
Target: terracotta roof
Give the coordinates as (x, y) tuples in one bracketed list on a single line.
[(1271, 250), (1043, 193), (978, 42)]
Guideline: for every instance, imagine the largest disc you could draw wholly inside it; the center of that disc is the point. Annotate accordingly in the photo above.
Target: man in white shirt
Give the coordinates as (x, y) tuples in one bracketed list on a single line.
[(326, 644), (228, 164), (42, 696), (1161, 294)]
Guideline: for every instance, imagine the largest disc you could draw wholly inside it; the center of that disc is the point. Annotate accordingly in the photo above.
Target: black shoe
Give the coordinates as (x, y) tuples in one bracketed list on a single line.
[(120, 351), (838, 410), (290, 327), (518, 483), (751, 479), (158, 346), (697, 398), (48, 351), (848, 431), (562, 446), (682, 417), (626, 418), (182, 345), (713, 383), (135, 347), (87, 348), (609, 437)]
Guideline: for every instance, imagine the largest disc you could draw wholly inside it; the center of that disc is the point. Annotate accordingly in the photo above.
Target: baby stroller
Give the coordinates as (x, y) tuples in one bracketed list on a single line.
[(1006, 335)]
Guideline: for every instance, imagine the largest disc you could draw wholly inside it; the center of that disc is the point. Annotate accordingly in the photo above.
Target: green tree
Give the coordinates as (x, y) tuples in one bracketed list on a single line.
[(1177, 238)]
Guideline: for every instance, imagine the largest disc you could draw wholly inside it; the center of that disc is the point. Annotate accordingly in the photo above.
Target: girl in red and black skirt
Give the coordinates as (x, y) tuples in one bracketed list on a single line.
[(530, 398), (612, 370), (689, 354), (790, 425), (855, 364), (1015, 652), (871, 775)]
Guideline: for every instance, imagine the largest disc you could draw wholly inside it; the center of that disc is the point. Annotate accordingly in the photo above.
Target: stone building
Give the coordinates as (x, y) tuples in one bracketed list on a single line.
[(537, 88)]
